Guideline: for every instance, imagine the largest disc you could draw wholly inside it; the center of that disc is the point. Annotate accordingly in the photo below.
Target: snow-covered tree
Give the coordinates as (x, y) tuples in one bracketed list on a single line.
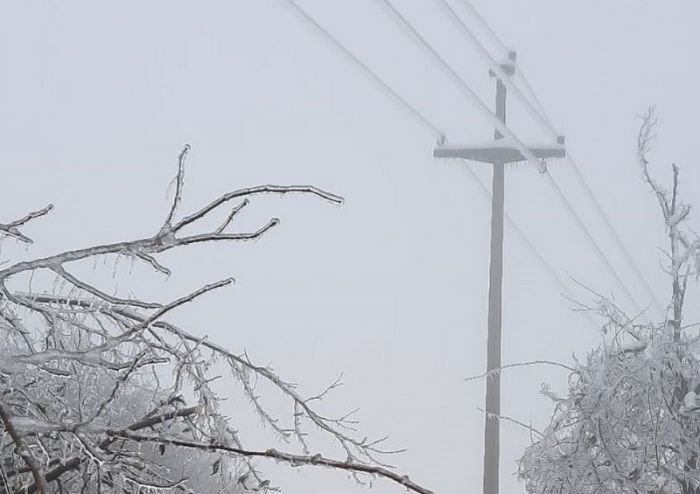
[(630, 421), (131, 406), (99, 392)]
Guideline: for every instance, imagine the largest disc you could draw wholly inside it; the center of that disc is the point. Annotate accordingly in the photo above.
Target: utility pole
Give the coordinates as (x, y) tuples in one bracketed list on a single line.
[(498, 154), (492, 433)]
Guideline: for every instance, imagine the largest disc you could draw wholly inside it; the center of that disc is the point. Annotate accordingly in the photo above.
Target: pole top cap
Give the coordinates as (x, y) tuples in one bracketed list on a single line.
[(508, 66)]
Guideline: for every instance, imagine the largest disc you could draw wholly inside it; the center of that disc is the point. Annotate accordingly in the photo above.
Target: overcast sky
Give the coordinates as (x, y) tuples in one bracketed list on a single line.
[(98, 98)]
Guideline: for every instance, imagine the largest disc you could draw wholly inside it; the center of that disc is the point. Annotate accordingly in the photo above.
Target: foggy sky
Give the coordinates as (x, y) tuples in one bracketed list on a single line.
[(98, 98)]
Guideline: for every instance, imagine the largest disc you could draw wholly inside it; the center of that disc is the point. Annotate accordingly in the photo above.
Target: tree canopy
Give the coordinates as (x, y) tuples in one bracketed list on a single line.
[(99, 392), (630, 420)]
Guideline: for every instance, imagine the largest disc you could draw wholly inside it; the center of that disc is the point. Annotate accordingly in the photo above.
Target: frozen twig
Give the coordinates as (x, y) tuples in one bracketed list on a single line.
[(76, 352), (291, 459), (12, 229), (23, 450), (494, 372), (179, 186)]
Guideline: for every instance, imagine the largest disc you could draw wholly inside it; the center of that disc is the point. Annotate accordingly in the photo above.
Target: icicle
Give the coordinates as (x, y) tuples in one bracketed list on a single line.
[(115, 266), (31, 279), (56, 280)]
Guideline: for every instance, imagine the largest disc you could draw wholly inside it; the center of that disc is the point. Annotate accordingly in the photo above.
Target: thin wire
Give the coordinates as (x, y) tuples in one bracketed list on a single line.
[(539, 116), (432, 127), (600, 210), (505, 130), (531, 93), (540, 113), (486, 26), (543, 261), (412, 110), (615, 235), (569, 208), (464, 87)]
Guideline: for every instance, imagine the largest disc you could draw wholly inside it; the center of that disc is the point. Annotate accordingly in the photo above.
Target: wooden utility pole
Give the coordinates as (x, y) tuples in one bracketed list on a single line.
[(492, 434), (498, 154)]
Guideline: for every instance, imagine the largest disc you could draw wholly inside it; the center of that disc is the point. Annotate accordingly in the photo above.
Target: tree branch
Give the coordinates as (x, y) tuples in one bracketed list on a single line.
[(23, 451), (291, 459), (12, 228)]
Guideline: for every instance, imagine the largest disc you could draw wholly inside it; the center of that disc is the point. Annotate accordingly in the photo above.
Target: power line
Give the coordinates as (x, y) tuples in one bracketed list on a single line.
[(598, 207), (543, 261), (531, 93), (594, 244), (606, 219), (463, 86), (539, 115), (505, 131), (412, 110), (501, 44), (537, 111), (485, 25), (611, 229)]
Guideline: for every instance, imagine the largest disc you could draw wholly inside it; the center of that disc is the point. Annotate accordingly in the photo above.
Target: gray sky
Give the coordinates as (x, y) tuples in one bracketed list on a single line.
[(98, 98)]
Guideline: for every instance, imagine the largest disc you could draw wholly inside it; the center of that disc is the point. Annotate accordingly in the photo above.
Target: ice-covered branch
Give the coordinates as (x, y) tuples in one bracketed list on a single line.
[(494, 372), (12, 229), (628, 422), (23, 450), (290, 459), (84, 369)]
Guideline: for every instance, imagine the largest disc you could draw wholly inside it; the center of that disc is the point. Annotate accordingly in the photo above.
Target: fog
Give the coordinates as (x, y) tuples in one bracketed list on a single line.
[(98, 98)]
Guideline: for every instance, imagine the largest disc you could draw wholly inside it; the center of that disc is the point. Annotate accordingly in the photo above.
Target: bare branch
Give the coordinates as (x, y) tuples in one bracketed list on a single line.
[(74, 462), (493, 416), (629, 421), (261, 189), (179, 186), (291, 459), (230, 217), (12, 228), (23, 451), (102, 295), (529, 363), (81, 364)]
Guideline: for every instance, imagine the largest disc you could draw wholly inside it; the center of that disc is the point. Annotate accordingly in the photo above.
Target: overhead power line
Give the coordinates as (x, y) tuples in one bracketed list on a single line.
[(495, 65), (531, 246), (507, 133), (311, 21), (577, 219), (494, 36), (438, 134), (531, 93), (538, 112), (462, 85), (613, 232), (504, 49), (410, 109)]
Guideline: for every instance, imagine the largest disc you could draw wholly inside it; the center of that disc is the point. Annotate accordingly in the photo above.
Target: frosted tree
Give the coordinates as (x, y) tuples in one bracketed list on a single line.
[(99, 392), (630, 421)]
